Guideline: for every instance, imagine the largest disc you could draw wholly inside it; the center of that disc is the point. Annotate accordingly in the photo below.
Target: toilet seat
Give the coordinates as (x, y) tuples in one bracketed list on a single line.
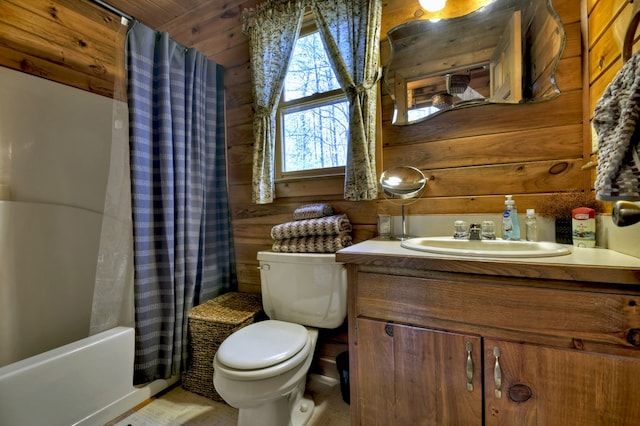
[(263, 349)]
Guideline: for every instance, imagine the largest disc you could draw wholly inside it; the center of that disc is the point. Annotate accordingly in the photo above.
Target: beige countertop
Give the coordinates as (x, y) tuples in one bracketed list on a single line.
[(583, 264)]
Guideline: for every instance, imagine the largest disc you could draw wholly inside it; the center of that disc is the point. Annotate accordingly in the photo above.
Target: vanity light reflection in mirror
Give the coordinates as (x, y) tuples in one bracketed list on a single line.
[(504, 52)]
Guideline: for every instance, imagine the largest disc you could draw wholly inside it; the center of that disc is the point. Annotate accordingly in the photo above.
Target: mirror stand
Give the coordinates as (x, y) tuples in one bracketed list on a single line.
[(404, 235)]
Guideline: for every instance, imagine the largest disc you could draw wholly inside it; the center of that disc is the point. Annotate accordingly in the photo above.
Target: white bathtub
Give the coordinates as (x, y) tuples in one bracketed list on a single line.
[(88, 382), (58, 257)]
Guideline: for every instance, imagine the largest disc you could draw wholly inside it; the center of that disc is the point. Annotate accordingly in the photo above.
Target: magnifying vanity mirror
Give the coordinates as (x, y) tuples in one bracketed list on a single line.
[(504, 52), (403, 185)]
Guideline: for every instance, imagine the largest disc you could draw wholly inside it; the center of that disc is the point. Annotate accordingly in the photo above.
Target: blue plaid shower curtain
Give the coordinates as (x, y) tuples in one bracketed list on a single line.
[(183, 251)]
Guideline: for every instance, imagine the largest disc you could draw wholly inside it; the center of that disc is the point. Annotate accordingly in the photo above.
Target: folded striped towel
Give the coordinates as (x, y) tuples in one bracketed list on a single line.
[(330, 225), (313, 244), (312, 211)]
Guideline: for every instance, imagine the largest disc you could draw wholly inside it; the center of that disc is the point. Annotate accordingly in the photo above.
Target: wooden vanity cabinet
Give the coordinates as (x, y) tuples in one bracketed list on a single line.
[(550, 386), (440, 348), (410, 375)]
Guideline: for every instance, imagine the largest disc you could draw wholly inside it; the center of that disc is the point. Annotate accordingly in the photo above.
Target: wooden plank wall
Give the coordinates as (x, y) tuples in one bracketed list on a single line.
[(72, 42), (608, 21), (472, 157)]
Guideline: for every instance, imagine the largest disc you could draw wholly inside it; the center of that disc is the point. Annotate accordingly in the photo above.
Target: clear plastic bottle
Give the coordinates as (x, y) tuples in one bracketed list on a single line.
[(510, 225), (531, 225)]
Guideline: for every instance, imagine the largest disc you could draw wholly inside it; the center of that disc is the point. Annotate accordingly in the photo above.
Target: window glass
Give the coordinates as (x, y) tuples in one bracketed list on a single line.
[(316, 138), (310, 71), (314, 114)]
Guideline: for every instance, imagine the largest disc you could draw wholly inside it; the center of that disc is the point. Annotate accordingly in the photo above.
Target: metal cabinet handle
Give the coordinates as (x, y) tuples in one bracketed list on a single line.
[(497, 373), (469, 367)]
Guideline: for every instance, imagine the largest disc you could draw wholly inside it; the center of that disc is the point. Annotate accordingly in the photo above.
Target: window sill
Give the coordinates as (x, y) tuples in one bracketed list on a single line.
[(302, 177)]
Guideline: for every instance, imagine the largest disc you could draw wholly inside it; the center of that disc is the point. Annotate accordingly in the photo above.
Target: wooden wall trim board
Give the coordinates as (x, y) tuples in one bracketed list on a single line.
[(491, 148), (590, 161)]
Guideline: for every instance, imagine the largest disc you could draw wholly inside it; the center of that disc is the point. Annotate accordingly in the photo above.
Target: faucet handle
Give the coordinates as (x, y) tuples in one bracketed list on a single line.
[(461, 230), (488, 230)]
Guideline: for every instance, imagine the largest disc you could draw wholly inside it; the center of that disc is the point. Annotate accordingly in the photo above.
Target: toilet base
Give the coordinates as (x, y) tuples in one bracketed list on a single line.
[(294, 410), (302, 411)]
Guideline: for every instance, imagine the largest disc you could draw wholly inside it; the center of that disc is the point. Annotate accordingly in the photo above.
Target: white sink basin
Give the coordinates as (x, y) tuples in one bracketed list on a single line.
[(486, 248)]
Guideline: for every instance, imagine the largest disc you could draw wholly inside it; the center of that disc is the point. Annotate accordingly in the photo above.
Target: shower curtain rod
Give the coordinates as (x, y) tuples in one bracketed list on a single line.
[(112, 9)]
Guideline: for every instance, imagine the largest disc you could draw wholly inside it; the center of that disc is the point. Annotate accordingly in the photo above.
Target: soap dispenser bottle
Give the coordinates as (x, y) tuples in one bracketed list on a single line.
[(510, 225)]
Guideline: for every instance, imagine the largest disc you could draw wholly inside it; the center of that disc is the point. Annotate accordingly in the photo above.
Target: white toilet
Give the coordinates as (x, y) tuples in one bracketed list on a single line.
[(261, 369)]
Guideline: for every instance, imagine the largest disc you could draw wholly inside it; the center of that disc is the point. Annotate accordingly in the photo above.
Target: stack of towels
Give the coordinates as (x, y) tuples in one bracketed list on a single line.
[(314, 229)]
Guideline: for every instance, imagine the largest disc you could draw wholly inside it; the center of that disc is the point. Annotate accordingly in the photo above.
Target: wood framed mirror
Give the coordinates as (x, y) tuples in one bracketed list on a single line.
[(505, 51)]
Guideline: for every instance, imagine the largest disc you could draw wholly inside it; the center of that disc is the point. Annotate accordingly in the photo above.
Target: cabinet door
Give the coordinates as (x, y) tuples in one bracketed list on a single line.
[(414, 376), (549, 386)]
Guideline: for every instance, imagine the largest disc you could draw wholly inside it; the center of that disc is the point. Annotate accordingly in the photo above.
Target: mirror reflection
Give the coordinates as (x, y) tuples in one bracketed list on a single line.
[(402, 182), (504, 52)]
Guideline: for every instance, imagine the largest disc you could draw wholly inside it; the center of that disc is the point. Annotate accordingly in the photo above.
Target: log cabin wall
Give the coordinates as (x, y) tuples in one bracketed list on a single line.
[(608, 22), (475, 156), (72, 42), (472, 157)]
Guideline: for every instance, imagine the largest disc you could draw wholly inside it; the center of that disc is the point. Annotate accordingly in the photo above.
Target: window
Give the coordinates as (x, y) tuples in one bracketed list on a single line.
[(313, 115)]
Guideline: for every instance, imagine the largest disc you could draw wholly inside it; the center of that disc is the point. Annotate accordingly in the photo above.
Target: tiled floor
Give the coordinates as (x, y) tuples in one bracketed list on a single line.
[(180, 407)]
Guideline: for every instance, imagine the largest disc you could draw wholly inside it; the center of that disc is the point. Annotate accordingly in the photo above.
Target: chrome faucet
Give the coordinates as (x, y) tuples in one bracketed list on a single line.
[(475, 231)]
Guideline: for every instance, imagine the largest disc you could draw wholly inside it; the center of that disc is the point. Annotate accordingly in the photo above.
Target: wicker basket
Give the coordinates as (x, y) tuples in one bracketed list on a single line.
[(209, 324)]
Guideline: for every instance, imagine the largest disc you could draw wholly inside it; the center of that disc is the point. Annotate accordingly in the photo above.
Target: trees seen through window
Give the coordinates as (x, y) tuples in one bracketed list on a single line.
[(314, 113)]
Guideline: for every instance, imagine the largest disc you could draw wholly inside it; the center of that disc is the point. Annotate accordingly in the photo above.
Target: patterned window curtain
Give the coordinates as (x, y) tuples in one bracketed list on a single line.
[(351, 33), (183, 252), (273, 28)]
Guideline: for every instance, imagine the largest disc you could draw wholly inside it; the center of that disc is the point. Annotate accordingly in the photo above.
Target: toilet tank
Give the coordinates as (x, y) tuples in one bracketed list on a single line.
[(304, 288)]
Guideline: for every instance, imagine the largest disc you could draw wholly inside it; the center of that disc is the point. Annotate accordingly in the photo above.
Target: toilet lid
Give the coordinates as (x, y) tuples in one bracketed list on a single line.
[(262, 345)]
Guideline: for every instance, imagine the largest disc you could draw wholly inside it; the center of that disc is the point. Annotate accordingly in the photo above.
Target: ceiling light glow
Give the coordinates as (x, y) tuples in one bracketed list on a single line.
[(432, 5)]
